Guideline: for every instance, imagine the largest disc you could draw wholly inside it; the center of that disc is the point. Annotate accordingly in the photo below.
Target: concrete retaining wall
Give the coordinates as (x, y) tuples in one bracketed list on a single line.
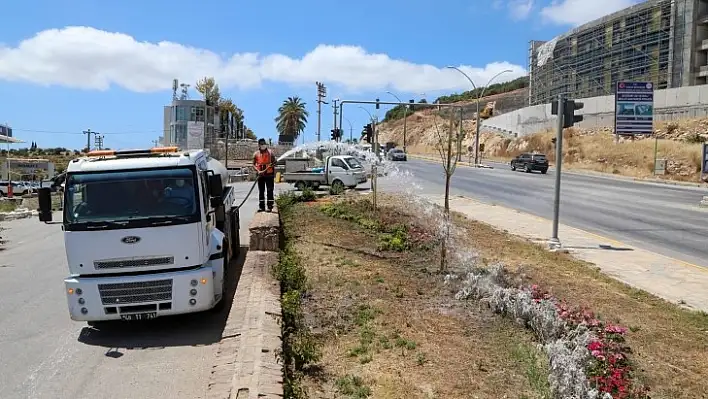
[(669, 104)]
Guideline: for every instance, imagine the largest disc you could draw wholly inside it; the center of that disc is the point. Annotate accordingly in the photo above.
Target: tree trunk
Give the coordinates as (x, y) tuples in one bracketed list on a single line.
[(448, 177)]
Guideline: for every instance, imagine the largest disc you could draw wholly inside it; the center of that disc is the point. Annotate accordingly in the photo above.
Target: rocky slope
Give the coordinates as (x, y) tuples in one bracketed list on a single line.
[(591, 149)]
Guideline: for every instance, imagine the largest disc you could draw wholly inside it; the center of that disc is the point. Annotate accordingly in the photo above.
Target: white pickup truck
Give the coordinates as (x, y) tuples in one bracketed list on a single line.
[(340, 171)]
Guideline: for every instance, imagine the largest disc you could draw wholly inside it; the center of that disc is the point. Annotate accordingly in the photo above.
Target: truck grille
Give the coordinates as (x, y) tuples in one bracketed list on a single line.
[(144, 291), (140, 262)]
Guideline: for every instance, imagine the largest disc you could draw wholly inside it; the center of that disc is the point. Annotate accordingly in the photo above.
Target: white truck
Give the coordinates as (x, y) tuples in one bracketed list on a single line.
[(147, 233), (338, 172)]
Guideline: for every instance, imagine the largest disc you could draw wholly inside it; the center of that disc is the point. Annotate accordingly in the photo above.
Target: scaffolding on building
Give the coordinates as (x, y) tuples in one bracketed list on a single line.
[(642, 43)]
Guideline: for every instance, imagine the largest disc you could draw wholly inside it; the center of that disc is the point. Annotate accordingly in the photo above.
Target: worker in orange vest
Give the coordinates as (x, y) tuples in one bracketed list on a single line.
[(264, 162)]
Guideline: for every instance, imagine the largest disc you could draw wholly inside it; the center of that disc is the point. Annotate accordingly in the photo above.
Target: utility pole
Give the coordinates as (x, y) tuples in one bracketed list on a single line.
[(98, 141), (334, 106), (321, 94), (375, 174), (88, 134), (555, 241)]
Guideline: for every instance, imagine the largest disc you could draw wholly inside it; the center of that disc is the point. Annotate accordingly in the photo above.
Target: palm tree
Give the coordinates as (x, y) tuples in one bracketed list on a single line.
[(292, 119)]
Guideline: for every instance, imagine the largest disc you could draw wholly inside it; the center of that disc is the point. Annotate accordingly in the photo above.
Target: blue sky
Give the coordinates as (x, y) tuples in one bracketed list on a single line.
[(109, 74)]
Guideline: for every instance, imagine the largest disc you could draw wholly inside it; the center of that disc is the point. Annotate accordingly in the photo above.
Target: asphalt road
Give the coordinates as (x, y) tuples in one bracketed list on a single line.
[(44, 354), (662, 218)]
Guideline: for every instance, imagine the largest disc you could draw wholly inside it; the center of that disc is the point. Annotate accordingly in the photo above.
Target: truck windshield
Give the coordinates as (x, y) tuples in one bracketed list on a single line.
[(353, 163), (136, 198)]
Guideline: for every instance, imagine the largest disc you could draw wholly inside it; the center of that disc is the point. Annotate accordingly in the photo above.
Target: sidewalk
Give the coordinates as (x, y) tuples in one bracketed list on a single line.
[(674, 280)]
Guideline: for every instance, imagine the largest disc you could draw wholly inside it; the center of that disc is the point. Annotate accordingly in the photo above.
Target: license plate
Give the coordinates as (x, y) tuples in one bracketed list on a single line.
[(138, 316)]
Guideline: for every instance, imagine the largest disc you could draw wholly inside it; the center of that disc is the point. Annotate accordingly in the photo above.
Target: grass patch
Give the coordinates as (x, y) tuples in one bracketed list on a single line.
[(536, 367), (669, 343), (299, 346), (386, 326), (353, 387), (8, 205)]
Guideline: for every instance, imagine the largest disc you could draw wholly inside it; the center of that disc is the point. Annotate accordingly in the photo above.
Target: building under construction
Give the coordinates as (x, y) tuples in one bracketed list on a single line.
[(659, 41)]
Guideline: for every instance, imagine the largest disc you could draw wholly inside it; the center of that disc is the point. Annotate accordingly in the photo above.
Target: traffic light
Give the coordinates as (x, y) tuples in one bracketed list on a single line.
[(410, 107), (333, 136), (367, 133), (569, 108), (481, 147), (377, 104), (569, 117)]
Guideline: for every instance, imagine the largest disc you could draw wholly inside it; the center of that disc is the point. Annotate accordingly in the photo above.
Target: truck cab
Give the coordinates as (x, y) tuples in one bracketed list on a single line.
[(147, 233), (339, 171)]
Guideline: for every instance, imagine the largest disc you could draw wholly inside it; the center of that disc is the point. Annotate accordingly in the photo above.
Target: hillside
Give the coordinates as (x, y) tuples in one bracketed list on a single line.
[(589, 149)]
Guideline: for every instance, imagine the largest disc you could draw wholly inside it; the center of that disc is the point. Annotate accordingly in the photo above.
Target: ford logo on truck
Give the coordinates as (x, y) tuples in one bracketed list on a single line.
[(130, 239)]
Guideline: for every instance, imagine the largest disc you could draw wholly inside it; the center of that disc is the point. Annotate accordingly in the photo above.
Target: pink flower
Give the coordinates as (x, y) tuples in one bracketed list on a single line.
[(612, 329)]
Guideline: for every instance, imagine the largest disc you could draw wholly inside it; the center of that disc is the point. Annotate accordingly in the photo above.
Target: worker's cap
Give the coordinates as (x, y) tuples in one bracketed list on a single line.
[(261, 141)]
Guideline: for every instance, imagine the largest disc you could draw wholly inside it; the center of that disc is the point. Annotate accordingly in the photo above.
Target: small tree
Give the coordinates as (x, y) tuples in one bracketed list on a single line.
[(448, 144)]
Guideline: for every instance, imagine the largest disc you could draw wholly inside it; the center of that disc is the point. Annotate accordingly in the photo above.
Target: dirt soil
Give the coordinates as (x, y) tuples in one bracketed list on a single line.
[(670, 344), (388, 325)]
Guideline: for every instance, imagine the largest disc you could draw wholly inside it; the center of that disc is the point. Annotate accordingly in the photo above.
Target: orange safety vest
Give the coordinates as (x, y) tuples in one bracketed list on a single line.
[(263, 161)]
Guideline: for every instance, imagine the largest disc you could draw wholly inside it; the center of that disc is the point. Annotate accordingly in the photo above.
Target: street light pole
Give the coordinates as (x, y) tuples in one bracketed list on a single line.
[(479, 97), (405, 118), (351, 129)]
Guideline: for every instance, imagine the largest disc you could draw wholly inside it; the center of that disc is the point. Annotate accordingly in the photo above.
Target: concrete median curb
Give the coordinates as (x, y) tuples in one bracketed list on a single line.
[(247, 366), (20, 213)]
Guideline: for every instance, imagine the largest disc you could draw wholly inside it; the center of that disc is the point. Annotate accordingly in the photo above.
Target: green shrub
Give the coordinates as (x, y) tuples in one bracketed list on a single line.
[(300, 348)]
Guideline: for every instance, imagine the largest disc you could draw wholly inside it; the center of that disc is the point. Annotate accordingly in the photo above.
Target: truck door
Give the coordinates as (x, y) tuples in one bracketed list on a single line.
[(338, 170)]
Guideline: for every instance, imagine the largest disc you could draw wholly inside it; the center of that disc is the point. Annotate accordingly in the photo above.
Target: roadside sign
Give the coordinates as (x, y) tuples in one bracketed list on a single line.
[(704, 164), (634, 108), (660, 167)]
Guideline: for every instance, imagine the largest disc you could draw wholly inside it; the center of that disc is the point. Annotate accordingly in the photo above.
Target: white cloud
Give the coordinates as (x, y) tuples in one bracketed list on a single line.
[(578, 12), (88, 58), (520, 9)]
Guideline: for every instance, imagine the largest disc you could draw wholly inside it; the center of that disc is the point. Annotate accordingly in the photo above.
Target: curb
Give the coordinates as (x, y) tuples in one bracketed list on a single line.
[(246, 366), (20, 213)]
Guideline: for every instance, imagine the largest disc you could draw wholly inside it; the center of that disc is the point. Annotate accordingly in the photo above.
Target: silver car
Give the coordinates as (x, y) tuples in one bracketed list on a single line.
[(396, 154)]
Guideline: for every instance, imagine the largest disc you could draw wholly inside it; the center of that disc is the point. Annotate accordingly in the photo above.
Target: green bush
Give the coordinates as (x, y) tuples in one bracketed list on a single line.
[(300, 348), (308, 195), (496, 88)]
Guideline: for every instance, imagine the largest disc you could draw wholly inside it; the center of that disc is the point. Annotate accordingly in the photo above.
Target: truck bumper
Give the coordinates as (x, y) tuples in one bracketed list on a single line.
[(150, 295)]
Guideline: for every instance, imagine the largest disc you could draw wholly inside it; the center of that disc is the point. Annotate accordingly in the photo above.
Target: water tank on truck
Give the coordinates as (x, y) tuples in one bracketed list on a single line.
[(219, 168)]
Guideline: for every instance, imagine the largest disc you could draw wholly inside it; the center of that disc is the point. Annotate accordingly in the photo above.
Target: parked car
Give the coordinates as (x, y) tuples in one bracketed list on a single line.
[(396, 154), (529, 162), (17, 188)]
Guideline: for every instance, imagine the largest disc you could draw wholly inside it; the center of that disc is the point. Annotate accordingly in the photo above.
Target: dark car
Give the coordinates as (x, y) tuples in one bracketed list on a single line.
[(530, 162), (396, 154)]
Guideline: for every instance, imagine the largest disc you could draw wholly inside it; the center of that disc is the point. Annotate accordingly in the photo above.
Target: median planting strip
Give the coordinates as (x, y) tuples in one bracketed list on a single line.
[(668, 343), (375, 309), (378, 319)]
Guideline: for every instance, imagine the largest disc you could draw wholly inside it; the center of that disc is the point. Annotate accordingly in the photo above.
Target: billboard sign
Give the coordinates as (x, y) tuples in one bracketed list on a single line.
[(634, 108), (195, 135)]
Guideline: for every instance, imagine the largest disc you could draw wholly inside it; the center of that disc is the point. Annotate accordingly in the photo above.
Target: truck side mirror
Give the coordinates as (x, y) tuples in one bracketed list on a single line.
[(216, 190), (44, 197)]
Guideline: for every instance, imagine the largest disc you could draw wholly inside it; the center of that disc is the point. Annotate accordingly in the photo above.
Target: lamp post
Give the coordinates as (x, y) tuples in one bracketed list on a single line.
[(351, 129), (405, 118), (479, 97)]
